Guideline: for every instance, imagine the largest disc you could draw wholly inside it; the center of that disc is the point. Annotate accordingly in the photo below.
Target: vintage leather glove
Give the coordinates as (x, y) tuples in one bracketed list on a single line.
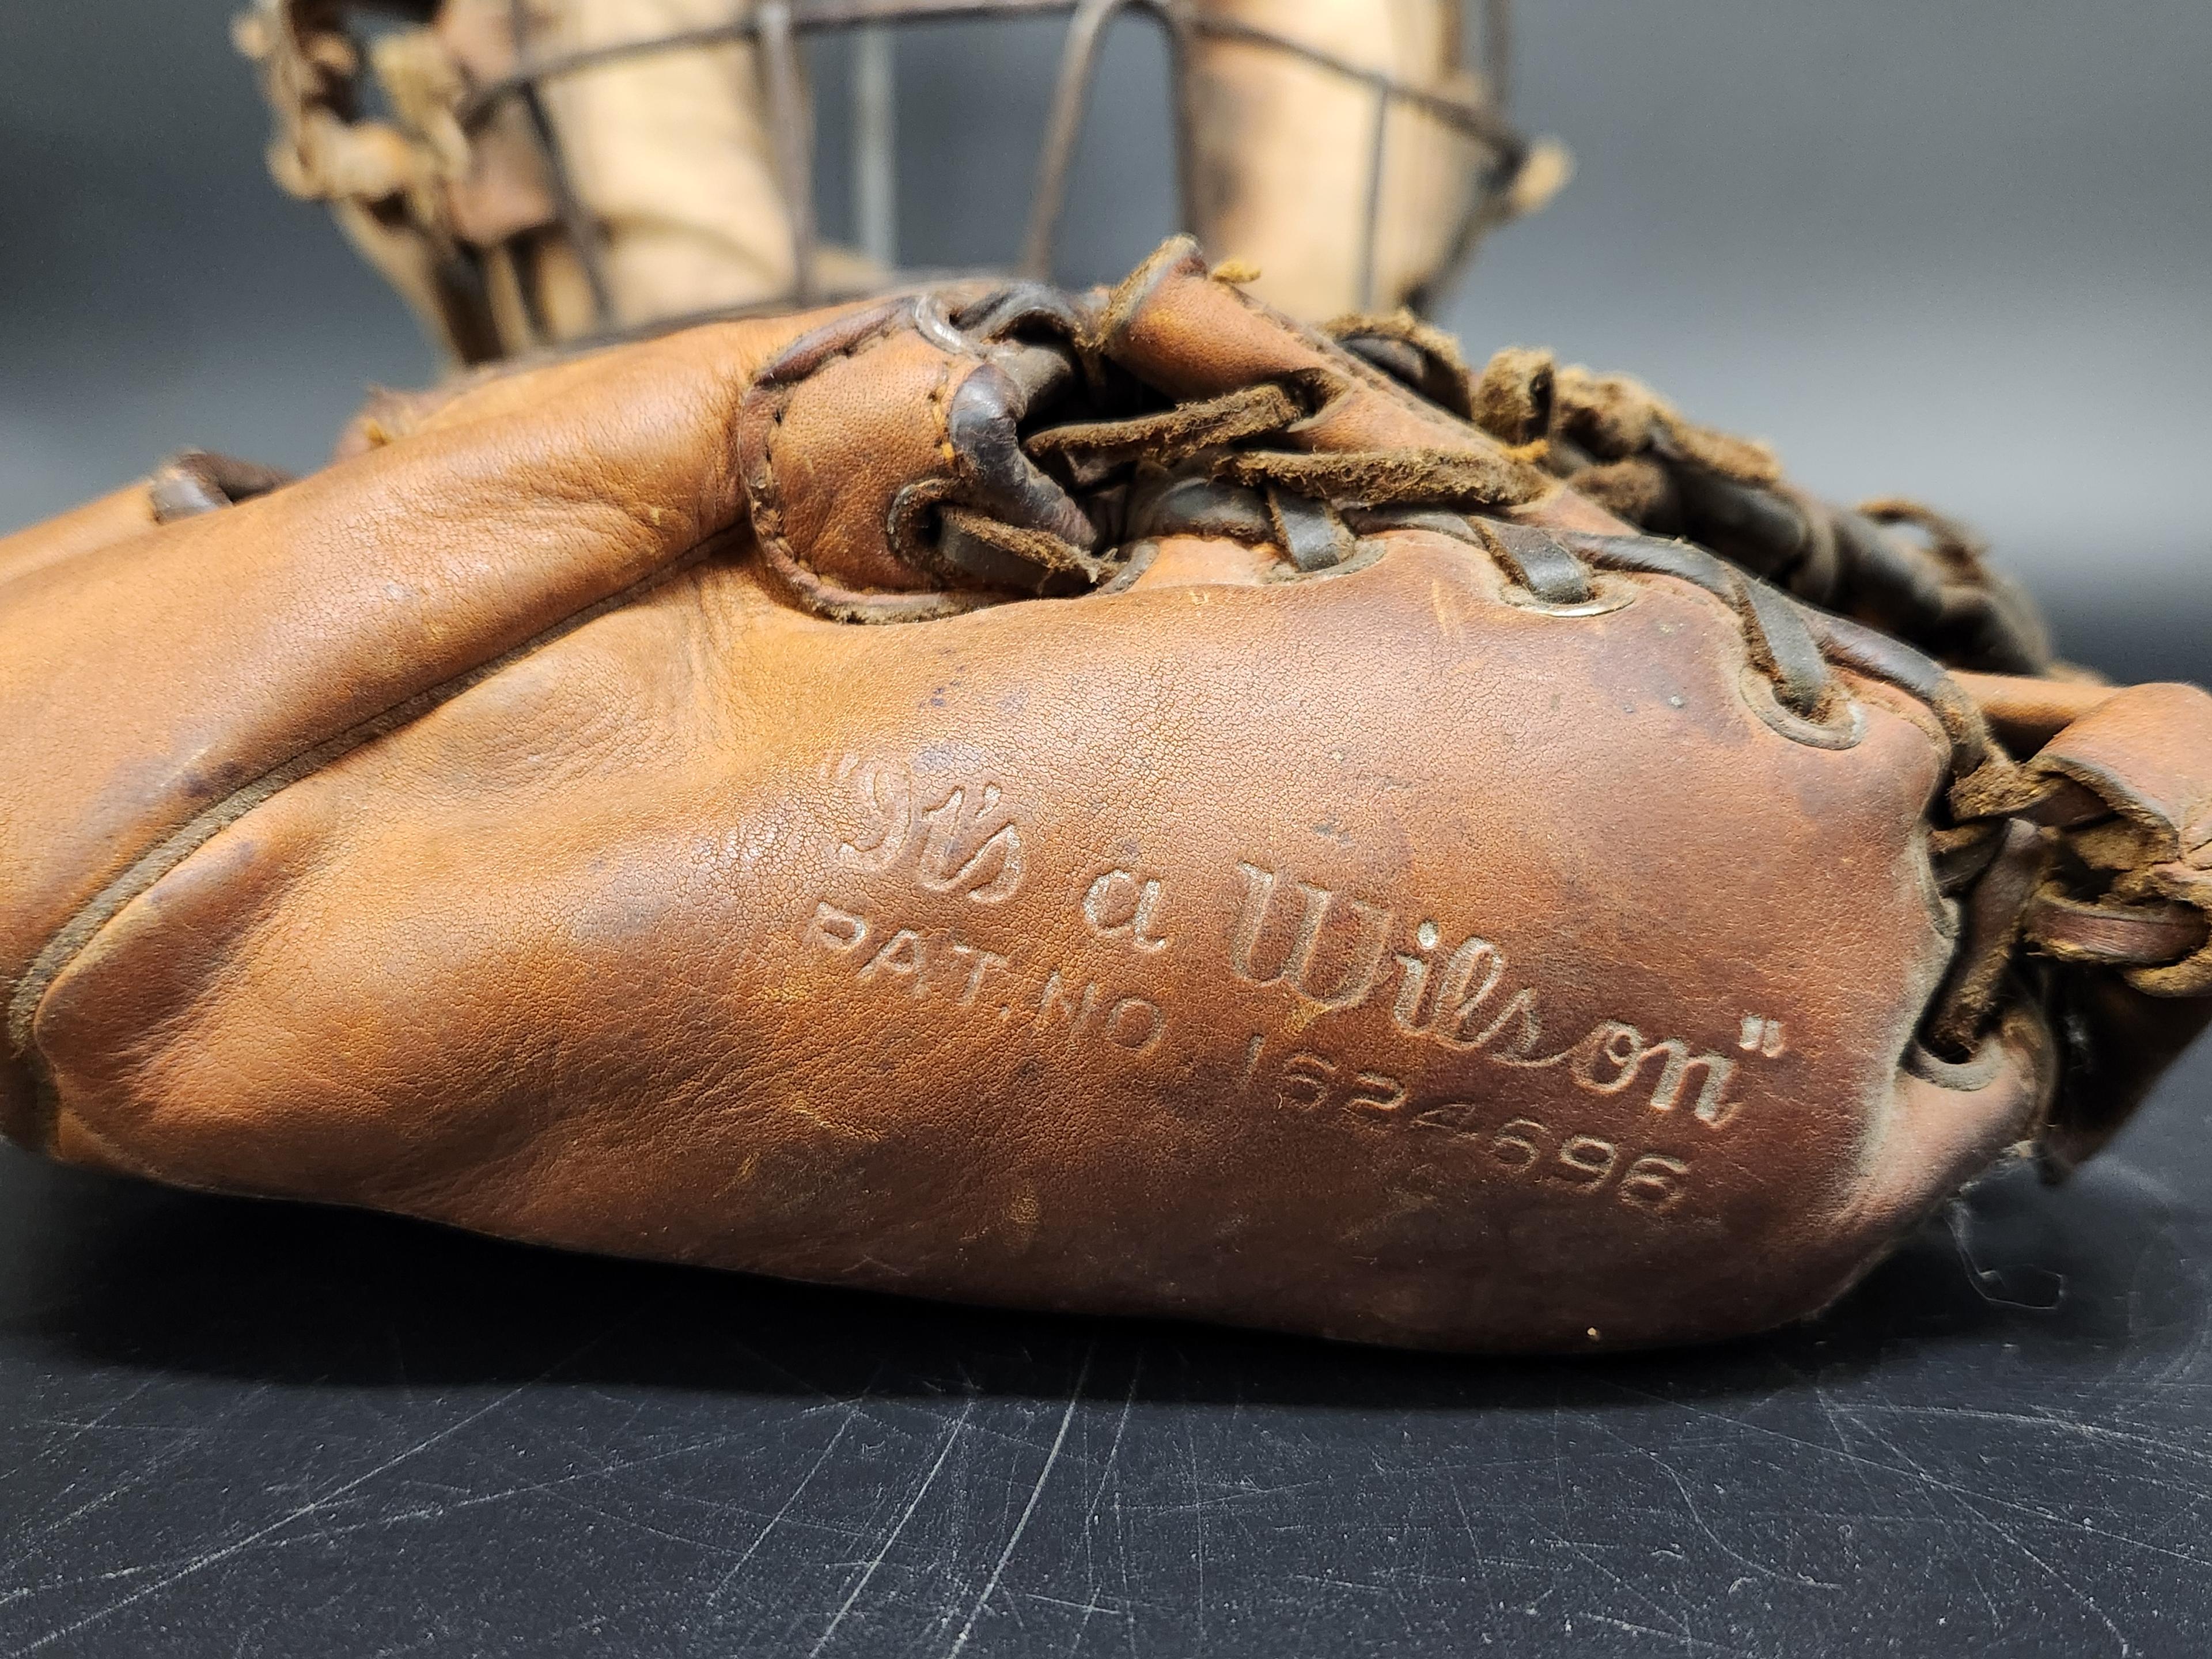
[(1280, 855)]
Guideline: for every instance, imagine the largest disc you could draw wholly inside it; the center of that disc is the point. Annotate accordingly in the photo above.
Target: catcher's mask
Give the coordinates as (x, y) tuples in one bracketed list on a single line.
[(535, 172)]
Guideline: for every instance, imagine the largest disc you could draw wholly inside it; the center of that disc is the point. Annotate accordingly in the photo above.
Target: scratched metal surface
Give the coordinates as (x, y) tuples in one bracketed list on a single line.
[(239, 1428)]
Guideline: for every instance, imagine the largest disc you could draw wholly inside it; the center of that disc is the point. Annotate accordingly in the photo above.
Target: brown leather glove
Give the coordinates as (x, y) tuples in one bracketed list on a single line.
[(1292, 860)]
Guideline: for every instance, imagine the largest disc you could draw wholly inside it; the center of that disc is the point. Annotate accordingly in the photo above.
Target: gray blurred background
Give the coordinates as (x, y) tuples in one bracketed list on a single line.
[(1951, 248)]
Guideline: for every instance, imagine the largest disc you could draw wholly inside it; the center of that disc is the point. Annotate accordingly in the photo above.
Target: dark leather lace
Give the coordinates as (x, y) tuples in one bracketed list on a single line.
[(1898, 565)]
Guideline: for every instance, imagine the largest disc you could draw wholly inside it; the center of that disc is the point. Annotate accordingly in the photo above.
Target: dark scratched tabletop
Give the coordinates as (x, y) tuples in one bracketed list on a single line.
[(230, 1428), (235, 1428)]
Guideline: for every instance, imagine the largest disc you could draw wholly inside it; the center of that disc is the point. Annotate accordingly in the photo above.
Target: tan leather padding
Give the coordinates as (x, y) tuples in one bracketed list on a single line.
[(1284, 149), (670, 154)]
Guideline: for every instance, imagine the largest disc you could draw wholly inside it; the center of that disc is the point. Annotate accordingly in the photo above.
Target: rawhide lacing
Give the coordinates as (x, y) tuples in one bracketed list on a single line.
[(1107, 464), (196, 481), (1904, 569)]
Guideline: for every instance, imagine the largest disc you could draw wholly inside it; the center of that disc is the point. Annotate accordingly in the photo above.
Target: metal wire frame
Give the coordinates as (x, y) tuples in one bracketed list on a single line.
[(775, 27)]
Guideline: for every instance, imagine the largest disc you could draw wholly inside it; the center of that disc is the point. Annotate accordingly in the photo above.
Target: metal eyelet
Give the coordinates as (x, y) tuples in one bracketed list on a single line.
[(1367, 550), (1607, 593), (1842, 730)]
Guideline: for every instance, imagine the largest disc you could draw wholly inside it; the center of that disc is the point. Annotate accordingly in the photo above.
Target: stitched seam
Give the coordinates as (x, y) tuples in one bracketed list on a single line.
[(811, 593), (92, 918), (765, 493), (799, 580)]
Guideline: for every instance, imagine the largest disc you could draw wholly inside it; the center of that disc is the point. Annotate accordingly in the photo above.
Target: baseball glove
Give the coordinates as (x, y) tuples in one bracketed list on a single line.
[(1285, 855)]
